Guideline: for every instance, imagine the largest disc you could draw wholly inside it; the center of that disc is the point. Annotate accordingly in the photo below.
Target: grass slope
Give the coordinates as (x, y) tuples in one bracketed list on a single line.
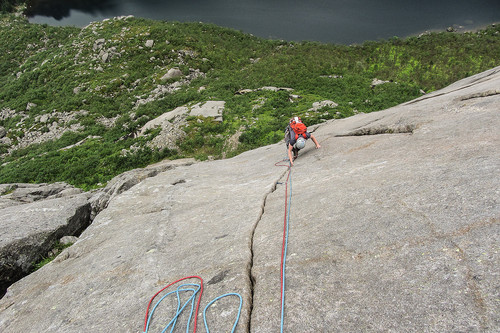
[(106, 83)]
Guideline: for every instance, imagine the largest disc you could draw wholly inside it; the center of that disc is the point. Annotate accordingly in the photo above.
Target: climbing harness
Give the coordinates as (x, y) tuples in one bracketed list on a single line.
[(195, 289)]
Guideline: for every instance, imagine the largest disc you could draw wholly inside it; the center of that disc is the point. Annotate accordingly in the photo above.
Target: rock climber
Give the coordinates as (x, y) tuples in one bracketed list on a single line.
[(296, 135)]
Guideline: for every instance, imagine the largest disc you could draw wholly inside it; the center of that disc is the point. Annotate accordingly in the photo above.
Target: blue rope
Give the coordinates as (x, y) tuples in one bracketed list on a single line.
[(179, 308), (191, 299), (216, 299), (284, 254)]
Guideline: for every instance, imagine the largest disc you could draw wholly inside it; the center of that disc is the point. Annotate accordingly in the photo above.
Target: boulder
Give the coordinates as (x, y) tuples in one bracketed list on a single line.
[(30, 106), (171, 124), (244, 91), (172, 73), (44, 118), (68, 240), (25, 193), (6, 141), (270, 88), (105, 56), (377, 82), (28, 232), (99, 43), (209, 109), (267, 88), (164, 119), (3, 132), (319, 105)]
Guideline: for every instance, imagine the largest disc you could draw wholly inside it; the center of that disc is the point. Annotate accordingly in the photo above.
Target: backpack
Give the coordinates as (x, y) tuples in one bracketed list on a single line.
[(298, 128)]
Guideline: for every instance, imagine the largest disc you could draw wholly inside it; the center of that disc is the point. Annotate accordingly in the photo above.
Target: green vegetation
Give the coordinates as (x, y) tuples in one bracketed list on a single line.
[(57, 249), (8, 6), (106, 71), (8, 190)]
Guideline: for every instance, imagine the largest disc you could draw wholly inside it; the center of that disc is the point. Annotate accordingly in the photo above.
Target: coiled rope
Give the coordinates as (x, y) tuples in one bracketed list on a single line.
[(195, 289), (149, 316)]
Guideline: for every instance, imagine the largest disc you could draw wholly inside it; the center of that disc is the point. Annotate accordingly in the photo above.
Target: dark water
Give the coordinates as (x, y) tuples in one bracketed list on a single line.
[(329, 21)]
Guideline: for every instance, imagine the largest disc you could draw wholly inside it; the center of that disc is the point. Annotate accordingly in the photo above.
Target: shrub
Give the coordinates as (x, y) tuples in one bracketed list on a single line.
[(58, 69)]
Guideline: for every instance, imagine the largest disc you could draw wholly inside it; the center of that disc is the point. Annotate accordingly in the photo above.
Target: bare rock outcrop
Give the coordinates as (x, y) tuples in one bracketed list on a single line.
[(25, 193), (319, 105), (121, 183), (212, 109), (394, 226), (172, 73), (35, 216), (16, 194), (171, 123), (29, 230)]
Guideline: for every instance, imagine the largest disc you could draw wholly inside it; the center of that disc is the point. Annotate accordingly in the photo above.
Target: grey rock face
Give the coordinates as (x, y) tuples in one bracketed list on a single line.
[(16, 194), (121, 183), (391, 232), (319, 105), (377, 82), (394, 226), (3, 132), (25, 193), (28, 231), (172, 74), (213, 109), (68, 240), (98, 44), (171, 124)]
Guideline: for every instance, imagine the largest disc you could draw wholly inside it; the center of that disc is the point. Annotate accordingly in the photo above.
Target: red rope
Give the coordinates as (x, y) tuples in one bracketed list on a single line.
[(197, 304)]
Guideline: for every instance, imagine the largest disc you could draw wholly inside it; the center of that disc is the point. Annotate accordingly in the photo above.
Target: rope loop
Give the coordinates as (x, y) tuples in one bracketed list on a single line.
[(216, 299), (172, 322), (195, 289)]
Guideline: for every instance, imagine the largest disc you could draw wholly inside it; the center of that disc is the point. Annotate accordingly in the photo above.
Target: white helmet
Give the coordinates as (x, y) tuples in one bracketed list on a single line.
[(301, 143)]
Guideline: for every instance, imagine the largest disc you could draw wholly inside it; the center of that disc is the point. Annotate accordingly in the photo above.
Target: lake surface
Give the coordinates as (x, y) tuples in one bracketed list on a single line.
[(327, 21)]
